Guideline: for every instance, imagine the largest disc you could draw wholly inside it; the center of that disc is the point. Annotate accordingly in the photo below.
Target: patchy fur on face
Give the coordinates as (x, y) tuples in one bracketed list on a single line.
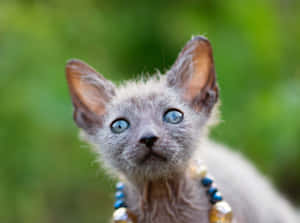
[(152, 153), (189, 87), (143, 105)]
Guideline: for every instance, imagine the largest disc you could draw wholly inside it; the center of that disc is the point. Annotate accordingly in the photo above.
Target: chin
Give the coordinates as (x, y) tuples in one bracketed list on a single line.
[(154, 169)]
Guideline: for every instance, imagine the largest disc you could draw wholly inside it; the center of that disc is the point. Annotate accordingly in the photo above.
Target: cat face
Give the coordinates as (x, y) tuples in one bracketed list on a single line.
[(147, 129)]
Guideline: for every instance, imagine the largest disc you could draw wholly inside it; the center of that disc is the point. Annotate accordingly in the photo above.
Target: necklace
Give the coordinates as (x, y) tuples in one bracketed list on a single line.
[(220, 212)]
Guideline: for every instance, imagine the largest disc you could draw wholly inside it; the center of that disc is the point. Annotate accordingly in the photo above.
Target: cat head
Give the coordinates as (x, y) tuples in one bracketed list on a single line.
[(149, 128)]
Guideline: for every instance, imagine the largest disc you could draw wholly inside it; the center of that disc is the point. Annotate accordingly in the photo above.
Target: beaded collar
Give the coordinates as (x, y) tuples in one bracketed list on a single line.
[(220, 212)]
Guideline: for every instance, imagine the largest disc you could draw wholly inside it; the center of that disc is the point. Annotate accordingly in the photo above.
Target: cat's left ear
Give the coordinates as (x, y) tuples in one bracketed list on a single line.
[(193, 75)]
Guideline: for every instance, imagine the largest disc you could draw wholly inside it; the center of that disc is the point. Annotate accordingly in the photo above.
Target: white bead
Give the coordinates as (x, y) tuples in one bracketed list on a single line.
[(120, 216), (198, 170), (221, 212)]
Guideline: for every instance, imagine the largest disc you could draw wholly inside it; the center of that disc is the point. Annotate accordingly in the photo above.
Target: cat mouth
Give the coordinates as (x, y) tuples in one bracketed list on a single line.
[(152, 156)]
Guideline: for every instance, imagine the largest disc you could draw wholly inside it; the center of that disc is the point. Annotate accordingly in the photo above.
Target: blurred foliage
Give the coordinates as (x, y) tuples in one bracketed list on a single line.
[(47, 175)]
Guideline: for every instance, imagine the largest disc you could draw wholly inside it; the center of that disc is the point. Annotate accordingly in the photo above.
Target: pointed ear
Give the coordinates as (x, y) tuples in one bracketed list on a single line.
[(90, 93), (193, 74)]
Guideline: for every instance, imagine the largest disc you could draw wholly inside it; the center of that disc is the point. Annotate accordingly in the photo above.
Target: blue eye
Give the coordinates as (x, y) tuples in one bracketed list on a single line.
[(119, 126), (173, 116)]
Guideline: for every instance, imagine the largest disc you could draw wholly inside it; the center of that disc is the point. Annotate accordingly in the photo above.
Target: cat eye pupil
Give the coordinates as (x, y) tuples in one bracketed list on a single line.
[(119, 126), (173, 116)]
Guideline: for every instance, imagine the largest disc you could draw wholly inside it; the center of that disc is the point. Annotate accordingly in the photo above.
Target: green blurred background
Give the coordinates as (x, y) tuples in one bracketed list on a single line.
[(48, 175)]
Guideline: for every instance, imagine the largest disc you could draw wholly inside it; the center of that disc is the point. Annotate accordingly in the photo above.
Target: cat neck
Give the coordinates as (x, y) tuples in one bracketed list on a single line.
[(164, 188), (152, 199)]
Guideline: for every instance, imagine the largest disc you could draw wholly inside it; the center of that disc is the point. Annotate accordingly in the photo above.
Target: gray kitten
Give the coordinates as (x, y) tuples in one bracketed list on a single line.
[(148, 131)]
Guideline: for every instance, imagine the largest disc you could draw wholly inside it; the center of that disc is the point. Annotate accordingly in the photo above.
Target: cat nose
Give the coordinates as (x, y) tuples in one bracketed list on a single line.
[(148, 140)]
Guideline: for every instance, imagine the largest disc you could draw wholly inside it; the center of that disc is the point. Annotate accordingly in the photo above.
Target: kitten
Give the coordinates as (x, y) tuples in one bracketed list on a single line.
[(148, 131)]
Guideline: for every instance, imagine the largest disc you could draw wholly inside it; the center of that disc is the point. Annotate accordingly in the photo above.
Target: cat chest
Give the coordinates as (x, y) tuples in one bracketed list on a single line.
[(173, 211)]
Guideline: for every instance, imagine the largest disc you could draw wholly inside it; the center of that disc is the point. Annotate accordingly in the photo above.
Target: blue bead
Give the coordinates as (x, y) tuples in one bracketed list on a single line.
[(206, 181), (119, 204), (216, 198), (211, 191), (120, 186), (119, 195)]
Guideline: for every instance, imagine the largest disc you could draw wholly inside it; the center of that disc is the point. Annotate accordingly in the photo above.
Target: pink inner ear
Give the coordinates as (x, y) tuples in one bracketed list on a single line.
[(201, 70), (194, 75), (87, 87), (91, 96)]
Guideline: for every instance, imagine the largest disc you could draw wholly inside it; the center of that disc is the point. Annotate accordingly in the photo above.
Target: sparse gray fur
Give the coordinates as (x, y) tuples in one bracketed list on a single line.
[(162, 192)]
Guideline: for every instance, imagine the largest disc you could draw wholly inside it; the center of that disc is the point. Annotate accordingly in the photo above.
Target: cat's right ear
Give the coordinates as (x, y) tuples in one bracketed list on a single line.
[(90, 93)]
